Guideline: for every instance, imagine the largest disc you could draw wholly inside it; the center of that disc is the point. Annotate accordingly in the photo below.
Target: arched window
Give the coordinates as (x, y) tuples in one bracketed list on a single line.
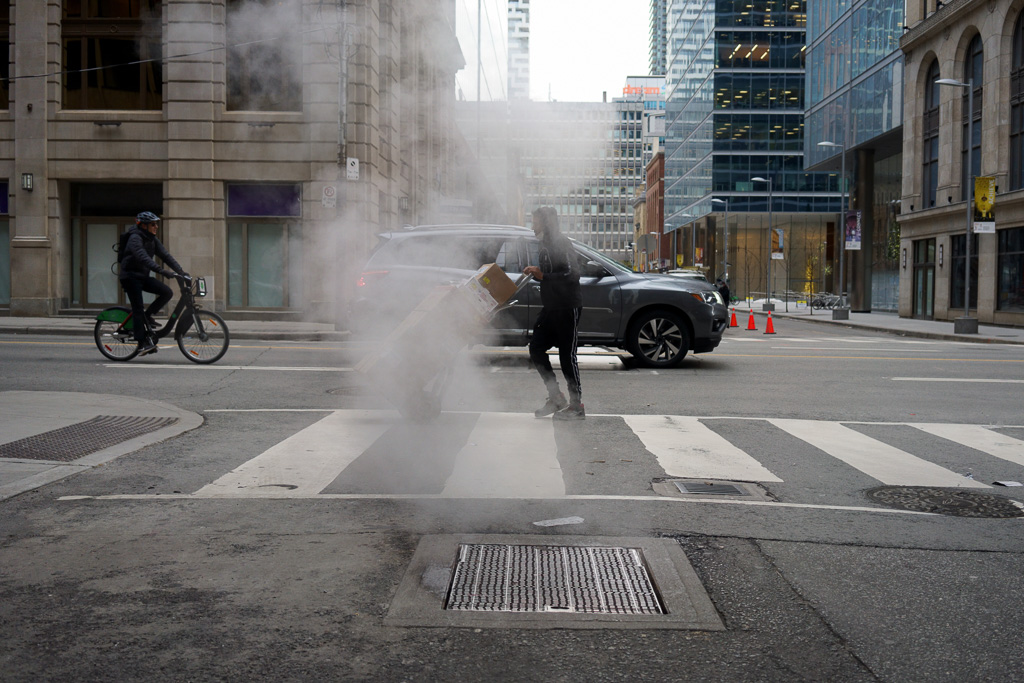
[(930, 138), (1017, 107), (970, 164)]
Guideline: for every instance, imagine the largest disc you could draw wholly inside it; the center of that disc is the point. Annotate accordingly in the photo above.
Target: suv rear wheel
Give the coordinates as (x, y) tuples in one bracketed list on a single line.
[(658, 339)]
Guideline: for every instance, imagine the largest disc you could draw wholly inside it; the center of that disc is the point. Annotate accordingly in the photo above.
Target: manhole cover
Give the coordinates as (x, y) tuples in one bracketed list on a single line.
[(79, 440), (946, 501), (561, 579)]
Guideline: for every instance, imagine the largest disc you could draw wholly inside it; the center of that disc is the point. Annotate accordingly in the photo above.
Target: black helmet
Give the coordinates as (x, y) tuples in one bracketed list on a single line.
[(147, 217)]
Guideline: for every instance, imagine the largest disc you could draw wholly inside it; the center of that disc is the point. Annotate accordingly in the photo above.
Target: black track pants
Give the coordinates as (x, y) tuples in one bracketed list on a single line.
[(557, 328)]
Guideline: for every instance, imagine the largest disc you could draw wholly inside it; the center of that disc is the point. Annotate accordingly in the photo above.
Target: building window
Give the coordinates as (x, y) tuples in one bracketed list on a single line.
[(958, 261), (1010, 293), (930, 138), (263, 64), (1017, 107), (973, 71), (112, 54), (264, 247), (5, 51)]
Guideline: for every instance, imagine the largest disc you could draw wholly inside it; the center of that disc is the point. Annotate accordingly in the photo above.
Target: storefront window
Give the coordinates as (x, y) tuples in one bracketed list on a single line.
[(5, 249), (1010, 294), (959, 265), (264, 253)]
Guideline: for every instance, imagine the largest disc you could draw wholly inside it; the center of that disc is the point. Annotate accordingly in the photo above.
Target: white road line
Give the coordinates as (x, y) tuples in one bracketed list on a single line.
[(979, 438), (874, 458), (955, 379), (685, 447), (842, 348), (193, 366), (507, 455), (306, 462), (415, 496)]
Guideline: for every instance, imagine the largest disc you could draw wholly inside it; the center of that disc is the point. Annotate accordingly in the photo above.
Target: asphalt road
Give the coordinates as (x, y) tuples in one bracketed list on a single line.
[(282, 538)]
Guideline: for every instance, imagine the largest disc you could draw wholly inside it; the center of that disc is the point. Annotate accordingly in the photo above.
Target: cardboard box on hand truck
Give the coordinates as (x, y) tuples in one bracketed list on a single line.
[(427, 341)]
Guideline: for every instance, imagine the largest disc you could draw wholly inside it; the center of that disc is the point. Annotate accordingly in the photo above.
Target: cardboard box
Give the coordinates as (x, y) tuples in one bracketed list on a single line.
[(495, 281)]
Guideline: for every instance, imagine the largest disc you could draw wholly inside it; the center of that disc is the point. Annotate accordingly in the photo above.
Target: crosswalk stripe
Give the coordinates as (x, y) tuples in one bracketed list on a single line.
[(507, 455), (875, 458), (306, 462), (979, 438), (685, 447)]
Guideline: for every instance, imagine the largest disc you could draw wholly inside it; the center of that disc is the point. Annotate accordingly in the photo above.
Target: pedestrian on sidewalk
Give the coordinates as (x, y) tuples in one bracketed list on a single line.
[(723, 289), (559, 319)]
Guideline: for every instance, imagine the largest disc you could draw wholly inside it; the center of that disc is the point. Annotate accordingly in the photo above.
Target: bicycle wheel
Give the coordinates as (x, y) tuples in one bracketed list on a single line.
[(208, 345), (113, 341)]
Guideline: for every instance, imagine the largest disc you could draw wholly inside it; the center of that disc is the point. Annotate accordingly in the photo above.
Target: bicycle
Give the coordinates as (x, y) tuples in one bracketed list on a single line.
[(202, 335)]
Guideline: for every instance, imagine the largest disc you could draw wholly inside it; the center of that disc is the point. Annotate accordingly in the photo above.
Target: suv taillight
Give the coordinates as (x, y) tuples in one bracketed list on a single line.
[(368, 276)]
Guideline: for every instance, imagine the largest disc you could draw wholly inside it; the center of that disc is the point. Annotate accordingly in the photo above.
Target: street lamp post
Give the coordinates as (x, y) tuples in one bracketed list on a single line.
[(966, 324), (725, 256), (768, 306), (841, 313)]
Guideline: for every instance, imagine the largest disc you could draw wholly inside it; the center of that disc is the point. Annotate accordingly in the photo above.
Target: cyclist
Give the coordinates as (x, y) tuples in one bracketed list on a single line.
[(136, 263)]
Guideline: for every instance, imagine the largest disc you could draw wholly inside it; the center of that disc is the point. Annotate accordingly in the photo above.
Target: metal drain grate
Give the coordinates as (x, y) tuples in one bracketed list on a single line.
[(708, 488), (79, 440), (548, 578)]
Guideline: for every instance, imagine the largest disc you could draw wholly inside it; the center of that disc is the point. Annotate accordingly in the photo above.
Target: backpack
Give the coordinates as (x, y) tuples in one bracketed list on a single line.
[(120, 249)]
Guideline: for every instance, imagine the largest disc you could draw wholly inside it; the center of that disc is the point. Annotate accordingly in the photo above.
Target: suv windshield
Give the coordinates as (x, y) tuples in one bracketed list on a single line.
[(601, 258)]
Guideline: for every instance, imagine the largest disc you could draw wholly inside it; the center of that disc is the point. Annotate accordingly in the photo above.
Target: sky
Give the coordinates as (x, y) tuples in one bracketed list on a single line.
[(581, 48)]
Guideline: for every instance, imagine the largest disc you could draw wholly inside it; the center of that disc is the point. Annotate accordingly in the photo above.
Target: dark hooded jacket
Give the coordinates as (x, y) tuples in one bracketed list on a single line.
[(560, 288), (137, 259)]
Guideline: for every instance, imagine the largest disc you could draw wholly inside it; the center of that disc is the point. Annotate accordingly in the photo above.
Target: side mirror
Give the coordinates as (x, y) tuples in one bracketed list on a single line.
[(594, 269)]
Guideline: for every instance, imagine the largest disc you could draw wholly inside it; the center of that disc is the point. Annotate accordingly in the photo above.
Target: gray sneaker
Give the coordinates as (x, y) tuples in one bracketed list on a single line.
[(552, 405), (573, 412)]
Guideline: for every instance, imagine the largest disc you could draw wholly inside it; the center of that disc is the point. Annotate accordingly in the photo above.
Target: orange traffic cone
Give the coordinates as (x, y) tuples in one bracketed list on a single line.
[(732, 322), (770, 329), (750, 322)]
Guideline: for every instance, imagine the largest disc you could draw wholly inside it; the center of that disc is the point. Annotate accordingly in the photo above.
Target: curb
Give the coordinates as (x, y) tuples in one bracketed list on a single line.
[(897, 332), (242, 335)]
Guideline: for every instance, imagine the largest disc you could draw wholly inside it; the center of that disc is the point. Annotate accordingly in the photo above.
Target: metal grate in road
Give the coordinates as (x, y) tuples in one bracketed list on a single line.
[(78, 440), (548, 578), (708, 488)]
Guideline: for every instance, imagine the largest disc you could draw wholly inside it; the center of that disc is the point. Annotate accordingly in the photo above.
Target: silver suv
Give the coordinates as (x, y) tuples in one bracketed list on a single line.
[(656, 318)]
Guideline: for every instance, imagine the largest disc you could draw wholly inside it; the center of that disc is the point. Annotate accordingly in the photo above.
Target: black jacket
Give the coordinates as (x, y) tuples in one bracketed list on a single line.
[(560, 288), (137, 260)]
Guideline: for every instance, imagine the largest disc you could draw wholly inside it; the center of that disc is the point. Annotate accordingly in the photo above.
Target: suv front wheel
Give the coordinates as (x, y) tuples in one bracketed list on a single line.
[(658, 339)]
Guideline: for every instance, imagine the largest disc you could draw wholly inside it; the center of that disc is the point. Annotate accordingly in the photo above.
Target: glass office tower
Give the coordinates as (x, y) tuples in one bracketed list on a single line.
[(734, 113), (855, 97)]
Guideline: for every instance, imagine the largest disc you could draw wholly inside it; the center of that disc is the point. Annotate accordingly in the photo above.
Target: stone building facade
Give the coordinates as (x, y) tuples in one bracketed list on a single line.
[(275, 139), (980, 42)]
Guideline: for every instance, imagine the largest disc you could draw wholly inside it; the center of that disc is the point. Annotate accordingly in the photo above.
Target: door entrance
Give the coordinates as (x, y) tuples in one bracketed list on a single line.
[(924, 279), (95, 261)]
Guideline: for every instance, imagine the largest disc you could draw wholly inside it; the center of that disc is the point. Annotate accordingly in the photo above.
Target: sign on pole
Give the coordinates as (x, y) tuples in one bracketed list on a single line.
[(352, 169), (853, 231), (984, 204), (777, 244)]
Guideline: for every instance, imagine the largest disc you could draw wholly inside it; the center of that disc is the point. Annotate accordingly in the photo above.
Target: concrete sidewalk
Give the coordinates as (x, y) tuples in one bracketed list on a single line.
[(889, 323), (240, 329), (41, 430)]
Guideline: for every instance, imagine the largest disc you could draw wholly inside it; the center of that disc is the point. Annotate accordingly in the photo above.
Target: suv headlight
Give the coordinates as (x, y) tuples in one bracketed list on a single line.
[(708, 297)]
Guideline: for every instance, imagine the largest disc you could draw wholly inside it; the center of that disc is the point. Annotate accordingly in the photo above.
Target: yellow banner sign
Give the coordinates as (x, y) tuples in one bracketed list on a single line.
[(984, 204)]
